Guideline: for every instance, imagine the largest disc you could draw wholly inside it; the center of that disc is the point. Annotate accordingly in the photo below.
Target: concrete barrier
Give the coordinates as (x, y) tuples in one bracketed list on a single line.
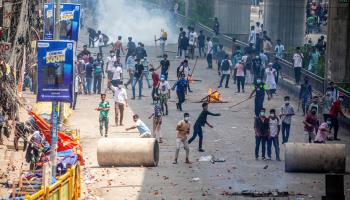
[(303, 157), (128, 152)]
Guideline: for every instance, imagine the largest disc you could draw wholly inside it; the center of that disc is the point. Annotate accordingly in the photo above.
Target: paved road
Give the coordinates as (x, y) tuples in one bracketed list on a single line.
[(232, 139)]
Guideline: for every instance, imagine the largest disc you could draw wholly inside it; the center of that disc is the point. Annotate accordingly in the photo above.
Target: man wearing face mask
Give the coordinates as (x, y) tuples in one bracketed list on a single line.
[(259, 88), (275, 128), (305, 95), (286, 114), (183, 130), (164, 91), (262, 132), (110, 65), (334, 112)]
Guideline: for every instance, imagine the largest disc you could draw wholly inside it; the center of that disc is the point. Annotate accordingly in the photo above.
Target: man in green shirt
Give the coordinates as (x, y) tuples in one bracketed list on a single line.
[(103, 108)]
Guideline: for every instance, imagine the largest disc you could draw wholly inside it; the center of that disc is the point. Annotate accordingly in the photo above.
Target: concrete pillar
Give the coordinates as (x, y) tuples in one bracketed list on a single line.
[(234, 17), (285, 20), (338, 42)]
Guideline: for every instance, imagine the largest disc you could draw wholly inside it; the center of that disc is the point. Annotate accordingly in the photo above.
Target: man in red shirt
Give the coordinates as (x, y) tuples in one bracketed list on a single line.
[(155, 79), (334, 112), (311, 125)]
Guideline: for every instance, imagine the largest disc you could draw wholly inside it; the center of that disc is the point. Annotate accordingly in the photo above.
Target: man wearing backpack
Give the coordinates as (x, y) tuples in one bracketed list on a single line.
[(225, 70)]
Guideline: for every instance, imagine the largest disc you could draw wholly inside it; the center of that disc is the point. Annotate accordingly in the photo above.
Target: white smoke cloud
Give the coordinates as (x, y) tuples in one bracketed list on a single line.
[(131, 18)]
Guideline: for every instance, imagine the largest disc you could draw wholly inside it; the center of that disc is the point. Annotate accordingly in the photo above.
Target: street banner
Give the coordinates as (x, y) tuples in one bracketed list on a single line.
[(55, 70), (49, 21), (70, 21)]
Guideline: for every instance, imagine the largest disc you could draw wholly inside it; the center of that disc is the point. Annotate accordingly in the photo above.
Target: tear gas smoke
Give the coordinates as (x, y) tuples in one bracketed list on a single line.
[(134, 18)]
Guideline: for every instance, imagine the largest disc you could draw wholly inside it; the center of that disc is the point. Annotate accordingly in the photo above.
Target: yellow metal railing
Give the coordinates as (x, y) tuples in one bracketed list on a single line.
[(67, 187)]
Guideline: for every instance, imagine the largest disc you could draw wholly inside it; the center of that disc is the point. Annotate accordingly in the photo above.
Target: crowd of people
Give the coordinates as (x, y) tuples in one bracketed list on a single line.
[(250, 65)]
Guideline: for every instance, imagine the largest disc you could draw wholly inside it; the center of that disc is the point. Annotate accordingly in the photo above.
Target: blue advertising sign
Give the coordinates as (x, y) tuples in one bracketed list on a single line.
[(70, 21), (55, 70), (49, 21)]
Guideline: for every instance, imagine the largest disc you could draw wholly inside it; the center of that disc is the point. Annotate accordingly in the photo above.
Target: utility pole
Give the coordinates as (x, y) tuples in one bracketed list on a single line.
[(55, 105)]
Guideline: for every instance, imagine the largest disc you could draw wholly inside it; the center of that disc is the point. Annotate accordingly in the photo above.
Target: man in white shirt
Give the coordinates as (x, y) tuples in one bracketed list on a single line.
[(110, 64), (209, 53), (279, 49), (252, 36), (121, 101), (164, 91), (100, 42), (192, 41), (144, 131), (298, 64), (117, 74)]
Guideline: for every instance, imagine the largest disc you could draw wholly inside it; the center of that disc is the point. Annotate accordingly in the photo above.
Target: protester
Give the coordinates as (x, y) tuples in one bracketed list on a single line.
[(193, 41), (259, 88), (155, 79), (162, 40), (209, 53), (220, 56), (118, 46), (179, 39), (164, 65), (98, 74), (262, 133), (334, 91), (252, 36), (183, 130), (216, 26), (279, 49), (181, 86), (322, 133), (314, 59), (146, 71), (100, 42), (184, 69), (164, 94), (120, 101), (157, 120), (235, 58), (334, 112), (131, 48), (286, 114), (141, 127), (327, 102), (85, 54), (130, 64), (89, 69), (305, 95), (298, 64), (110, 64), (240, 74), (225, 71), (138, 79), (275, 127), (310, 125), (271, 79), (77, 84), (258, 70), (103, 108), (315, 103), (184, 45), (276, 65), (201, 121), (201, 43)]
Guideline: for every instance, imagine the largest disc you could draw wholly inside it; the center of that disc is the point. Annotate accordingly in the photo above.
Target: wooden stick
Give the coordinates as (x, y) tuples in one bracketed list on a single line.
[(240, 102)]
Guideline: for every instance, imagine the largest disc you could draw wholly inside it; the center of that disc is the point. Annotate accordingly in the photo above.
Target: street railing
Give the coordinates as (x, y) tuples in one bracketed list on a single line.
[(287, 69), (67, 187)]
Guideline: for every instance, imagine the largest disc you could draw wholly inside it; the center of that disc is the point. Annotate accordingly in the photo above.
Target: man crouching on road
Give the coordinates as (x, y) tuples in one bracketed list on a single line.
[(183, 130), (141, 127)]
